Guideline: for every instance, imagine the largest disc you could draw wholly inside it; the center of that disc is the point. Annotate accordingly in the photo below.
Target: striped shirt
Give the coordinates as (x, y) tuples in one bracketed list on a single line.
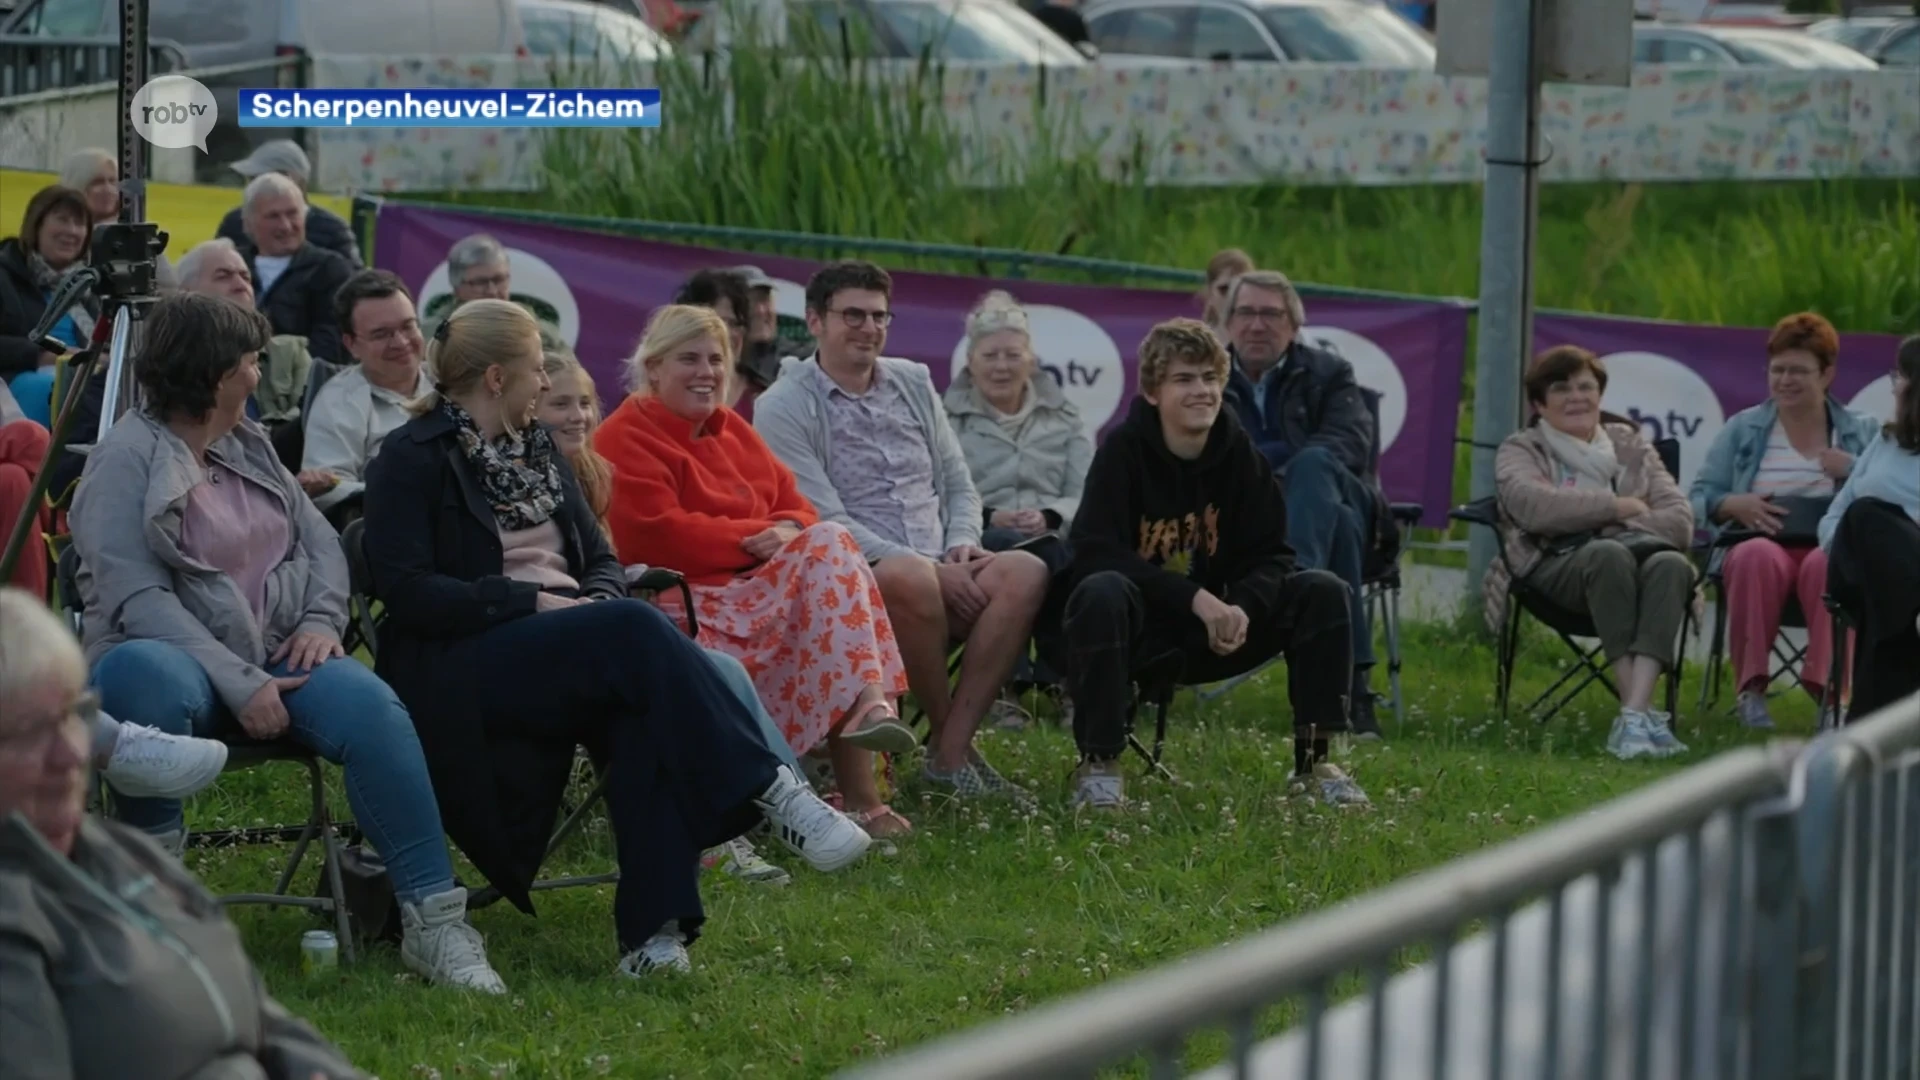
[(1784, 471)]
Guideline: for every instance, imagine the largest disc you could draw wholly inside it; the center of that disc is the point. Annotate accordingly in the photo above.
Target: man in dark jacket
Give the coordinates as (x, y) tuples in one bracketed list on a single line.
[(325, 228), (294, 280), (1179, 551), (1307, 416)]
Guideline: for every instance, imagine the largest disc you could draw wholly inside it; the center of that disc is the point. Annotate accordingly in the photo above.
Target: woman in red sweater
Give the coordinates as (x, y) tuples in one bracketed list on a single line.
[(695, 489)]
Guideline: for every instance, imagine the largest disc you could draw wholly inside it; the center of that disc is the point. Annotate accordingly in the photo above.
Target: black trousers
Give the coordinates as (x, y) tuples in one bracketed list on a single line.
[(686, 758), (1042, 664), (1873, 571), (1112, 636)]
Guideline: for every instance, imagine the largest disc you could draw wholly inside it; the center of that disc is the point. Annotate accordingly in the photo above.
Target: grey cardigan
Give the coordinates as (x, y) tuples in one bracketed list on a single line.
[(792, 417), (116, 963), (136, 583), (1041, 466)]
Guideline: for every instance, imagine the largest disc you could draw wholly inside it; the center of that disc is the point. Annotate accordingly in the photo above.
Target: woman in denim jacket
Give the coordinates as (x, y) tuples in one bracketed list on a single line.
[(1799, 442)]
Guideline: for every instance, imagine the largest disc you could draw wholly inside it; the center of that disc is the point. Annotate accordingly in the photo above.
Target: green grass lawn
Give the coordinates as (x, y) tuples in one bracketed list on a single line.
[(986, 911)]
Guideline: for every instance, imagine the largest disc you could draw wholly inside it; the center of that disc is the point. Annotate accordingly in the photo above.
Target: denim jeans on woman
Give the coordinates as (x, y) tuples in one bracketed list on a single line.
[(344, 713)]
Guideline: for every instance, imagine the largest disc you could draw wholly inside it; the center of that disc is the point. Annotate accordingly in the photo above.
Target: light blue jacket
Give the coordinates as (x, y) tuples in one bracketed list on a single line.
[(791, 416), (1734, 458), (1884, 472)]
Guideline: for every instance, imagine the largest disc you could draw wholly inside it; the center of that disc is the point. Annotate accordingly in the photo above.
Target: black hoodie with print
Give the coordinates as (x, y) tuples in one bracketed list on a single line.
[(1174, 527)]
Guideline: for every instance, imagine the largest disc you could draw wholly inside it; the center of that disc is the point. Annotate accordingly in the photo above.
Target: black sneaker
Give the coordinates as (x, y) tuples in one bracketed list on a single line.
[(1365, 725)]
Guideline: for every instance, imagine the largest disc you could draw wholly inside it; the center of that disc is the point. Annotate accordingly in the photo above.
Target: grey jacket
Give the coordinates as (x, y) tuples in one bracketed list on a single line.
[(116, 963), (792, 417), (1042, 465), (136, 583)]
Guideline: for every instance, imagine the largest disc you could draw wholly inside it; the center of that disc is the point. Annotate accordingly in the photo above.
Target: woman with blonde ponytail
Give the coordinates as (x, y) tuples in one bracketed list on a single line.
[(510, 635)]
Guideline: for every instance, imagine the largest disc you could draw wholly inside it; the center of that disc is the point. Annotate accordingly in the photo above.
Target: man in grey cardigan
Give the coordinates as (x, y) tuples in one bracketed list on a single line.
[(870, 448)]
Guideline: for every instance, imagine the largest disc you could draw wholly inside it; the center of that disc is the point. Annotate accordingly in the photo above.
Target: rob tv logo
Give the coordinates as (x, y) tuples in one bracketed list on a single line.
[(174, 112)]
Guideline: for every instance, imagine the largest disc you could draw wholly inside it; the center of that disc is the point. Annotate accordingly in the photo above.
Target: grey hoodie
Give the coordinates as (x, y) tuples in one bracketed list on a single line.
[(115, 963)]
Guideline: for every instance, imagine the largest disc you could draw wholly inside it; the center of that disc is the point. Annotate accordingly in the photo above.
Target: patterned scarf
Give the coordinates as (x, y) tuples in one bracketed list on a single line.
[(85, 313), (517, 471)]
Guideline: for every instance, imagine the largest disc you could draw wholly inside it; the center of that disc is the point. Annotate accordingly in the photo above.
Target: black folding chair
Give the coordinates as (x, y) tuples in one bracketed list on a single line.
[(1571, 626), (1788, 657), (1842, 662), (243, 753)]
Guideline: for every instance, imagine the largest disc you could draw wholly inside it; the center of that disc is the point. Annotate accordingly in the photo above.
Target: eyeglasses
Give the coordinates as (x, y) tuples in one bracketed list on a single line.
[(1585, 386), (857, 317), (1264, 314), (78, 719), (495, 281), (1795, 372), (386, 334)]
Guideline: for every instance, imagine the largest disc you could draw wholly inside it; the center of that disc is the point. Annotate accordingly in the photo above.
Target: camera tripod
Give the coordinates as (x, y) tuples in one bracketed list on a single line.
[(120, 269)]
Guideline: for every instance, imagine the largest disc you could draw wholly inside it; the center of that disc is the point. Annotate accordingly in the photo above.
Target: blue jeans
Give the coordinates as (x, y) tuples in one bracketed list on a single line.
[(1329, 527), (734, 674), (344, 713), (34, 391)]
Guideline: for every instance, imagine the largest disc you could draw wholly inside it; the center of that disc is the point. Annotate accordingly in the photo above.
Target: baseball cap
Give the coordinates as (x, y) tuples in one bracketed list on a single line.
[(756, 277), (276, 156)]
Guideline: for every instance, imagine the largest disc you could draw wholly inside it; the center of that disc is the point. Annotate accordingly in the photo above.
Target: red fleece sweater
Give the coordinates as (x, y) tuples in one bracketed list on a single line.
[(685, 501)]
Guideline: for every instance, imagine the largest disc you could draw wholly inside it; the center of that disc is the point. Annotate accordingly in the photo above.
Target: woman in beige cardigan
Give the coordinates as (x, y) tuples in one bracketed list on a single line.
[(1591, 519)]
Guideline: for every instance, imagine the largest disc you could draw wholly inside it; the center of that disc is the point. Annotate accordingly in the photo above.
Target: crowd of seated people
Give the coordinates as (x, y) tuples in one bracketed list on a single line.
[(284, 157), (839, 546)]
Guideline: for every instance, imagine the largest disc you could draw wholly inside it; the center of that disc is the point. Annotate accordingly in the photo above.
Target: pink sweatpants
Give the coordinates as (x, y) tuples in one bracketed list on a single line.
[(1760, 576)]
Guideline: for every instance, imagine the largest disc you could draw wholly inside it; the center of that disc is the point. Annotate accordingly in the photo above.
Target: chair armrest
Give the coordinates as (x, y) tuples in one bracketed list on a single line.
[(644, 582), (1406, 514), (1483, 511)]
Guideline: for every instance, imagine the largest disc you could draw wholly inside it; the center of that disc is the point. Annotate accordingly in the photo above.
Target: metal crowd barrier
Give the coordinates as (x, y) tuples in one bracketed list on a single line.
[(1756, 917)]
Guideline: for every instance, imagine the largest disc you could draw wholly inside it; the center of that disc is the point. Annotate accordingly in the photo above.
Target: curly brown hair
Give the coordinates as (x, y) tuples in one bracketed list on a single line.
[(1179, 341), (1805, 331)]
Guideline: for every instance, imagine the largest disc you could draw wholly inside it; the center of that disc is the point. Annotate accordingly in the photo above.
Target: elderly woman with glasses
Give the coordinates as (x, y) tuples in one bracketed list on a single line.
[(114, 961), (1591, 520), (1800, 443)]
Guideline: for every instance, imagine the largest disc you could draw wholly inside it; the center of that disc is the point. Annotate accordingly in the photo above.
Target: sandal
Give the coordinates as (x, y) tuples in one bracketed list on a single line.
[(882, 822), (879, 729)]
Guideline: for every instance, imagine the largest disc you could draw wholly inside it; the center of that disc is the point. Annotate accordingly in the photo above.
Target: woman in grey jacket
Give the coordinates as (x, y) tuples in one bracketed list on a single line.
[(215, 597), (114, 962)]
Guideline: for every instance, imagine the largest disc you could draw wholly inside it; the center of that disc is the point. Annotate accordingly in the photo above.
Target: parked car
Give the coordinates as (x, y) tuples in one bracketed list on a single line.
[(213, 33), (950, 31), (575, 31), (1741, 46), (1889, 42), (1269, 31)]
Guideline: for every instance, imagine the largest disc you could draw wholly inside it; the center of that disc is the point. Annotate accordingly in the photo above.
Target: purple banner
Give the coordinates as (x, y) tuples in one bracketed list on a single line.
[(600, 289), (1683, 381)]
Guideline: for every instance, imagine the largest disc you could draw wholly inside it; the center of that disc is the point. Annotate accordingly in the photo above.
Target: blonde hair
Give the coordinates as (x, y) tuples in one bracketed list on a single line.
[(671, 327), (477, 335), (996, 311), (1179, 341), (594, 472), (35, 647)]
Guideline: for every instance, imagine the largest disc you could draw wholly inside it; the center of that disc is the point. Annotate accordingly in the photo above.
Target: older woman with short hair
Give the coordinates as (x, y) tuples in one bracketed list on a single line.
[(1800, 443), (1592, 521), (214, 599), (155, 982)]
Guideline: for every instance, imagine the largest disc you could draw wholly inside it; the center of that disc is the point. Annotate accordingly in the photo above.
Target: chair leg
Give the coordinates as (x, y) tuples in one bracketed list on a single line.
[(342, 915), (1504, 649), (1390, 606), (316, 816), (1716, 653), (1583, 674)]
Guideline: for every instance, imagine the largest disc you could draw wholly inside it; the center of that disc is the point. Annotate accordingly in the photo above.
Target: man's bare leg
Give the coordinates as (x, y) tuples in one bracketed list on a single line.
[(1016, 585), (911, 592)]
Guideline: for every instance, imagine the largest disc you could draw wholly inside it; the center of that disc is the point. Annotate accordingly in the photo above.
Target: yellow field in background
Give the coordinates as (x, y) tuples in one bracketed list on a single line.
[(187, 213)]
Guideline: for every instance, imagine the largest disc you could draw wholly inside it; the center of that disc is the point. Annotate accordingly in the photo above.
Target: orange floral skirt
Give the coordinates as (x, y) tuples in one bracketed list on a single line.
[(810, 628)]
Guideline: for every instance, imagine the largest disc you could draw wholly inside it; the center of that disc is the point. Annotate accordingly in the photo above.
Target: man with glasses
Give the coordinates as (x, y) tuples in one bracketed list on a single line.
[(870, 447), (1305, 412), (478, 268), (356, 409)]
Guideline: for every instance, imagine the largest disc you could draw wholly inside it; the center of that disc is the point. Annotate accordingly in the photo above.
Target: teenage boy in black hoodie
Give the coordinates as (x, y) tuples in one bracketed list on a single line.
[(1179, 546)]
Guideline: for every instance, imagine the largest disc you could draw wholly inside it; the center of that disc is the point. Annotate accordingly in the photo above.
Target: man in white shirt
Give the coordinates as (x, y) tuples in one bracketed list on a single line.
[(357, 408)]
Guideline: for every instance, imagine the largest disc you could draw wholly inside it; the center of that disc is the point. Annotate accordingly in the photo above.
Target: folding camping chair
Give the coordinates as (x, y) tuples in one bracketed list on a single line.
[(1571, 626), (1842, 671), (243, 753), (1789, 657)]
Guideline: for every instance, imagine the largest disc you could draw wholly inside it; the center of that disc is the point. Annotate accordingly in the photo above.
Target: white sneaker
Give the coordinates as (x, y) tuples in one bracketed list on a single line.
[(1660, 733), (816, 832), (1332, 784), (437, 942), (1630, 738), (664, 951), (150, 763), (1752, 709), (737, 857), (1100, 785)]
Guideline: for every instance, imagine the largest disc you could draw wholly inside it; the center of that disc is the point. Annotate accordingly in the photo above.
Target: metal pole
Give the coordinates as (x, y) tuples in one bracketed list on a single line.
[(134, 50), (1507, 220)]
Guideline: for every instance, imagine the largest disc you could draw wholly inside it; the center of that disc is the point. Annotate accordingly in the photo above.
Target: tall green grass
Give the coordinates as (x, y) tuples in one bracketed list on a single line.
[(822, 143)]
